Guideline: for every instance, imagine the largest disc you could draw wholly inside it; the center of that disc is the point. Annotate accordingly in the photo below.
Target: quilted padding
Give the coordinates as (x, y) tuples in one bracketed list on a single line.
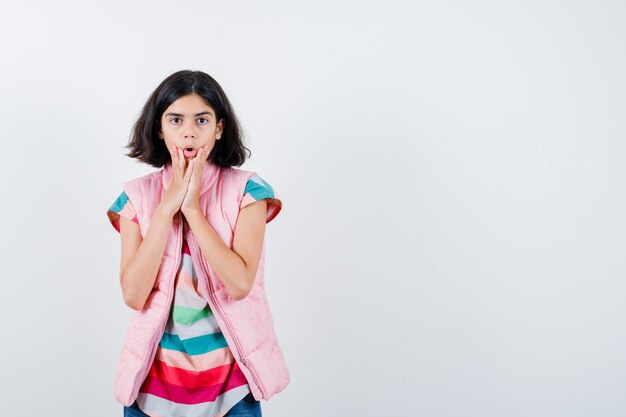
[(247, 324)]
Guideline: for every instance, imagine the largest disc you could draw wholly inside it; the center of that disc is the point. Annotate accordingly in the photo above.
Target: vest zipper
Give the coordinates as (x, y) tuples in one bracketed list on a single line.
[(166, 310), (242, 358)]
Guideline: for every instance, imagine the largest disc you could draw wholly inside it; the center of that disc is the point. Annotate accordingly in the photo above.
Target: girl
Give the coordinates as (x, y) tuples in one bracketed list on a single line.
[(201, 340)]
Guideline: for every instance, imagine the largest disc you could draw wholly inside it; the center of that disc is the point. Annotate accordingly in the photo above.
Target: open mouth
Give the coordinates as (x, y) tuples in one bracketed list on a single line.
[(190, 152)]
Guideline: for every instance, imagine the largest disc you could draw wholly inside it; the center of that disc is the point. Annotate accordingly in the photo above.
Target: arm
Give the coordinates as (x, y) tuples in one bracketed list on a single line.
[(236, 268), (141, 258)]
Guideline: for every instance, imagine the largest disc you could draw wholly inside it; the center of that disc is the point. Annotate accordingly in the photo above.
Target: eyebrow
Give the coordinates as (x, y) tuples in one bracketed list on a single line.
[(195, 115)]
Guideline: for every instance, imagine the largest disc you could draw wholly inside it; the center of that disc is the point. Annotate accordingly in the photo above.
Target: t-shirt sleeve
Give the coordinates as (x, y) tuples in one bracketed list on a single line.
[(121, 207), (257, 189)]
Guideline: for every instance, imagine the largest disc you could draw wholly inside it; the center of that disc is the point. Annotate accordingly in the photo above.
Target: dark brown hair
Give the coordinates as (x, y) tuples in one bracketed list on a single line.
[(144, 143)]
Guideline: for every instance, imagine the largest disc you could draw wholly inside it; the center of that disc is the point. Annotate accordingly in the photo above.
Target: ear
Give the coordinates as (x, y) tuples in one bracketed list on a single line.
[(220, 129)]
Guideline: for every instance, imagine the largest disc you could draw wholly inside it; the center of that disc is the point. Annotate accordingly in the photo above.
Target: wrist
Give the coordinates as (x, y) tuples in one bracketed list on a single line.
[(192, 212), (163, 211)]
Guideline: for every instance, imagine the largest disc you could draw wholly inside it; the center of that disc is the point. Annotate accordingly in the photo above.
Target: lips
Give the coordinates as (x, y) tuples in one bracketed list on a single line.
[(190, 152)]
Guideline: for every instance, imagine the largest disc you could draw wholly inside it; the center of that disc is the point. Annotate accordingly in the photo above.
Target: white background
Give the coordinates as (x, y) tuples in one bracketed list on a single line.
[(453, 179)]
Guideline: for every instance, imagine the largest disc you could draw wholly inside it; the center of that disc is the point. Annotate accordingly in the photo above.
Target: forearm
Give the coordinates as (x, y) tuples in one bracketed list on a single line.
[(141, 272), (229, 267)]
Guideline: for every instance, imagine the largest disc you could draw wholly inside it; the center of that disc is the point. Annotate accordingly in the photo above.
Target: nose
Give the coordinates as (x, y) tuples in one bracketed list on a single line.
[(189, 131)]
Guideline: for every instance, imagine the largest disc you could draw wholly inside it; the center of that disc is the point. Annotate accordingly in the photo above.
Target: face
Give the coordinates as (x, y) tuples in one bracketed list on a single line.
[(189, 123)]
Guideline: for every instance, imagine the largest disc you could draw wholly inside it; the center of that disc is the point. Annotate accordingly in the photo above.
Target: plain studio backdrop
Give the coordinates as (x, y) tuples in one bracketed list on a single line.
[(452, 173)]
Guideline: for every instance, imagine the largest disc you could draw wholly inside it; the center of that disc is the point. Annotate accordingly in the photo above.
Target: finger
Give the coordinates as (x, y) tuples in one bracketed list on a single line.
[(181, 162), (200, 161), (189, 172), (205, 154), (180, 166), (174, 155), (189, 166), (195, 159)]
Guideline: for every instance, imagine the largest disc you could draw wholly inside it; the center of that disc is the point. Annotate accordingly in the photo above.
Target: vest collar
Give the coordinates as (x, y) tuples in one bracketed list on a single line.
[(209, 175)]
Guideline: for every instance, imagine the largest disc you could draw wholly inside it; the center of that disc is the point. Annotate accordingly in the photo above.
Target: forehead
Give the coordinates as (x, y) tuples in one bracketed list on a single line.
[(189, 106)]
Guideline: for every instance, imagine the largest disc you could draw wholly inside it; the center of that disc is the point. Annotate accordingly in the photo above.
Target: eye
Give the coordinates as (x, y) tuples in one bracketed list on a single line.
[(174, 118), (205, 119)]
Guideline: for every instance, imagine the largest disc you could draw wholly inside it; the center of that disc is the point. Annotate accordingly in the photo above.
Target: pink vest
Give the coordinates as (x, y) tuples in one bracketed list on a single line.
[(246, 324)]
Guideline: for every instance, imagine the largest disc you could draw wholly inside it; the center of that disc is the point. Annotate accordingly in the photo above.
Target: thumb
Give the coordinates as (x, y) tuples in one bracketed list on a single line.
[(189, 172)]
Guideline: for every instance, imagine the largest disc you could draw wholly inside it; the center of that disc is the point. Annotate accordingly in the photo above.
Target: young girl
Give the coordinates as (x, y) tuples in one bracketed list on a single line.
[(201, 341)]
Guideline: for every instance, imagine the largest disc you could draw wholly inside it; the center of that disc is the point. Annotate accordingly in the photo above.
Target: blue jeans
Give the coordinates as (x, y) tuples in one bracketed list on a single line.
[(246, 407)]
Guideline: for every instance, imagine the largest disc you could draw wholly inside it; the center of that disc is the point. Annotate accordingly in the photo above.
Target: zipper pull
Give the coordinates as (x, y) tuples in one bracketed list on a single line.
[(244, 361)]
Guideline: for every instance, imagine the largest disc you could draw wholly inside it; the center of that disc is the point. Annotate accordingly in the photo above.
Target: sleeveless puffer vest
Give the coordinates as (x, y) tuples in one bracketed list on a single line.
[(246, 324)]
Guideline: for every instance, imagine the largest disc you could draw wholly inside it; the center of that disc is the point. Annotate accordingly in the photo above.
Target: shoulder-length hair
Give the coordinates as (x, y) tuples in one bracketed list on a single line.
[(144, 143)]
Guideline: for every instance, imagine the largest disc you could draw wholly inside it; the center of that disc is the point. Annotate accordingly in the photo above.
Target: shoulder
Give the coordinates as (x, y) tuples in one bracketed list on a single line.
[(235, 179), (256, 188), (137, 188), (152, 177), (236, 174), (243, 175), (131, 198)]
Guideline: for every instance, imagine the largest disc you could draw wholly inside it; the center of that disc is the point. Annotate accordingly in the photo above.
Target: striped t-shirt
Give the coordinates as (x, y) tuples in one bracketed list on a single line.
[(194, 372)]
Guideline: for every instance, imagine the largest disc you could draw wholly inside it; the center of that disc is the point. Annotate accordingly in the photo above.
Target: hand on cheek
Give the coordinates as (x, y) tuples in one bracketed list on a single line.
[(192, 198)]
